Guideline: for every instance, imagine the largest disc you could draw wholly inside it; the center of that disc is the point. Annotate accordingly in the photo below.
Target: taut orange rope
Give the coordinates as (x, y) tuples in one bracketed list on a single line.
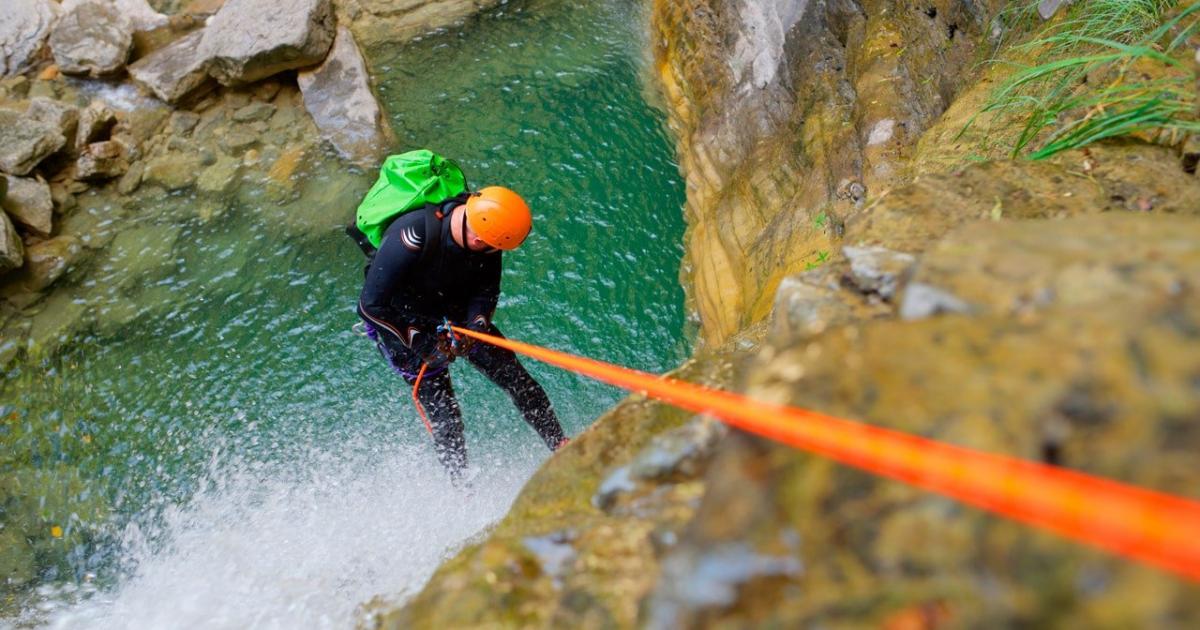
[(1158, 528), (417, 401)]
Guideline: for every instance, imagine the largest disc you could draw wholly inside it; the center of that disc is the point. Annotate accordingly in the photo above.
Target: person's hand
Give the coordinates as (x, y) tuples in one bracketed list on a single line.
[(440, 356)]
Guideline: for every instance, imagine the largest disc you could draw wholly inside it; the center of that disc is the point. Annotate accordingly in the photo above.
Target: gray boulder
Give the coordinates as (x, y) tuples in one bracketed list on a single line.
[(175, 73), (95, 124), (255, 111), (28, 202), (248, 40), (24, 142), (101, 160), (876, 269), (92, 39), (59, 115), (24, 27), (338, 96), (12, 251), (140, 14)]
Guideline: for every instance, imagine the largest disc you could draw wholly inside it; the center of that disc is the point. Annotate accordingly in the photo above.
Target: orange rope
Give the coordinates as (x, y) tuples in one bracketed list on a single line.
[(1154, 527), (417, 401)]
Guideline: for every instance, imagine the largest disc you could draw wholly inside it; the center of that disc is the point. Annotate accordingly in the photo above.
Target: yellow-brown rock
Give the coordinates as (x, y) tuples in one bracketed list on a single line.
[(786, 110)]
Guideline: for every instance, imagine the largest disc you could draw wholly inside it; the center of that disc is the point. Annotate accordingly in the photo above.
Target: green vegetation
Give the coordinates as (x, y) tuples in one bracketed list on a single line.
[(1111, 68), (822, 257)]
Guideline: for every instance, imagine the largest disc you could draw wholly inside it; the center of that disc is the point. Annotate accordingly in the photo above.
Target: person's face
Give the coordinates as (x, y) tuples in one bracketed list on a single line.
[(474, 243)]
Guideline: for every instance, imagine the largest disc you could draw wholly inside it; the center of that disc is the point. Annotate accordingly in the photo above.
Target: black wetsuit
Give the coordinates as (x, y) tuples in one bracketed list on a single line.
[(411, 286)]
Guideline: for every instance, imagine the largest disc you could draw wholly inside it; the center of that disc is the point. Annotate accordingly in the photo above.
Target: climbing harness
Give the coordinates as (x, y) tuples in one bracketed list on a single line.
[(447, 329), (1146, 525)]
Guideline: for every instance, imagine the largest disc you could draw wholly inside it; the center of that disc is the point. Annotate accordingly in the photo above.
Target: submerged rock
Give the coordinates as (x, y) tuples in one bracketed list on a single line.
[(58, 319), (48, 260), (24, 27), (174, 171), (221, 176), (338, 96), (248, 40)]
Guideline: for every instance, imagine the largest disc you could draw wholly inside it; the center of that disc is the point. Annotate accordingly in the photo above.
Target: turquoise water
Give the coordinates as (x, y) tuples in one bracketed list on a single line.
[(216, 425)]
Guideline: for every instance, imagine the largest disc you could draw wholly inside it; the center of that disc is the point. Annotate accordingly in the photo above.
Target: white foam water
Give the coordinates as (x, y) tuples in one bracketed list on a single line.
[(306, 546)]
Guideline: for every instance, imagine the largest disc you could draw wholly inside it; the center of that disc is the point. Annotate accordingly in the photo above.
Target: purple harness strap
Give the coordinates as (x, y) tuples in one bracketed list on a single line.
[(374, 336)]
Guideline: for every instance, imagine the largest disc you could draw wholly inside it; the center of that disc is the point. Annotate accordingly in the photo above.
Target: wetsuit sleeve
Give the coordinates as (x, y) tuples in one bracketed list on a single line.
[(487, 292), (393, 264)]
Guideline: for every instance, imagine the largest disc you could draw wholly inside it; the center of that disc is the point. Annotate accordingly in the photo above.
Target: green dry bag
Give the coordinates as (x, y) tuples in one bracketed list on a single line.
[(406, 182)]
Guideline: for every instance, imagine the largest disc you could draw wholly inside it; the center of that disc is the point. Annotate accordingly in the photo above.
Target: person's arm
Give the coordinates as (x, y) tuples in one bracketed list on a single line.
[(398, 254)]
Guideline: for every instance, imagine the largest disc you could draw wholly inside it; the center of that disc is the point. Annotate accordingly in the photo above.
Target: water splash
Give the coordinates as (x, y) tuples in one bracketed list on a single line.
[(302, 545)]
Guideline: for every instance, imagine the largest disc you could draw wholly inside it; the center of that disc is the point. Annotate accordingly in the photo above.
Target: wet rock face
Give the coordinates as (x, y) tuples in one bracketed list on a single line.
[(248, 40), (1069, 380), (92, 39), (338, 96), (674, 456), (791, 109), (24, 27)]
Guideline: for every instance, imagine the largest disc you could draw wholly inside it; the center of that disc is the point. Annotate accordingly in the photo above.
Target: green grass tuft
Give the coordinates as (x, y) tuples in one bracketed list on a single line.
[(1111, 68)]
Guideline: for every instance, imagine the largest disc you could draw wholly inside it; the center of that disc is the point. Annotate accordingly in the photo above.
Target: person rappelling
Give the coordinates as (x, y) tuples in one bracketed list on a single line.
[(435, 255)]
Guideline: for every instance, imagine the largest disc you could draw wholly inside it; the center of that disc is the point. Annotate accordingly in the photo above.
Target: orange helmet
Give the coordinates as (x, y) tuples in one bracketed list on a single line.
[(499, 216)]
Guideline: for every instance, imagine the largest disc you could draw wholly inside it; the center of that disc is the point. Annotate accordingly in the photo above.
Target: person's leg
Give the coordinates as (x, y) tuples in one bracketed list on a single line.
[(441, 407), (445, 417), (503, 369)]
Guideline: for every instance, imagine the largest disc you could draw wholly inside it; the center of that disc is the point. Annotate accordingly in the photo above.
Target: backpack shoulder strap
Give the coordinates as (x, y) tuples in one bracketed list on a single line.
[(360, 239), (433, 231)]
